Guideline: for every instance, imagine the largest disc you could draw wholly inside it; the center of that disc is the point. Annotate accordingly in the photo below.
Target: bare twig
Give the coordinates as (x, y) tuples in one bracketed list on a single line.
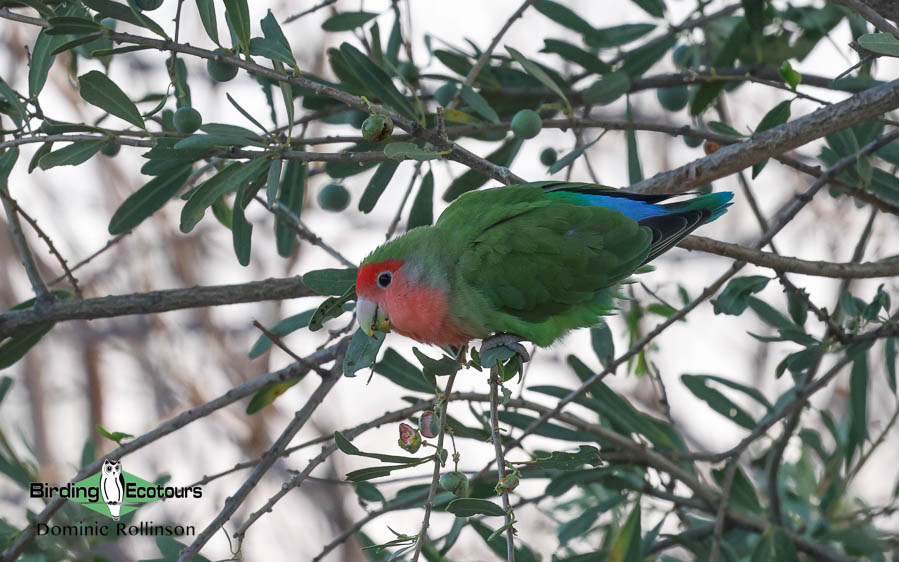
[(497, 439), (43, 295), (278, 342), (293, 221), (435, 476), (315, 8), (885, 268), (269, 458)]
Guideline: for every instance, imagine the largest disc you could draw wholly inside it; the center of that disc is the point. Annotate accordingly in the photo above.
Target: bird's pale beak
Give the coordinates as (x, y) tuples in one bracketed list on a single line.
[(371, 317)]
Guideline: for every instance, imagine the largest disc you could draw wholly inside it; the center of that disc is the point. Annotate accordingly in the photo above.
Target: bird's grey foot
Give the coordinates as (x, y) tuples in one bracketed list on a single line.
[(509, 341)]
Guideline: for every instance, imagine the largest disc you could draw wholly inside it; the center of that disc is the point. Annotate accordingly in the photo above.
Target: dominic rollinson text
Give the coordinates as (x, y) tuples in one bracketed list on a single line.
[(94, 529)]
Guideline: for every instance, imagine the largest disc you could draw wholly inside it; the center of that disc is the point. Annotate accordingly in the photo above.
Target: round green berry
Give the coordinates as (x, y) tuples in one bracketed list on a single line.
[(147, 5), (377, 128), (168, 120), (110, 149), (408, 71), (683, 56), (674, 98), (455, 482), (220, 71), (334, 197), (526, 124), (187, 120), (548, 157)]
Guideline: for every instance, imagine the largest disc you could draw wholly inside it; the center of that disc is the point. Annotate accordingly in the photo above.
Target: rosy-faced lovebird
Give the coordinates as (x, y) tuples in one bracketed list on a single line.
[(535, 260)]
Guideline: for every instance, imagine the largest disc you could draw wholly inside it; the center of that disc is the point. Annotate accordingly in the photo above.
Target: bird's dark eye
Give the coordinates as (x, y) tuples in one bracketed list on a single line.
[(384, 279)]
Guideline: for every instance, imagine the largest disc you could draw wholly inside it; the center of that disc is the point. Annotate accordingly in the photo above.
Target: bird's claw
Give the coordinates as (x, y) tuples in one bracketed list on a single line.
[(510, 341)]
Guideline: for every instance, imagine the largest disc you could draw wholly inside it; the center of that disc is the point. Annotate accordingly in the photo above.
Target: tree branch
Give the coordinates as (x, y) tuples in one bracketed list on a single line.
[(886, 268), (153, 302)]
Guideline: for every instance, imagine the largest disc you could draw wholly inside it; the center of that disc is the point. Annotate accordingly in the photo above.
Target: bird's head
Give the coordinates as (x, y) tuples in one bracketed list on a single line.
[(378, 285)]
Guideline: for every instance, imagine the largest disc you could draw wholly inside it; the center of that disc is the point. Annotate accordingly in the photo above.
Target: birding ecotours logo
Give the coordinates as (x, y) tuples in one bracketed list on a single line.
[(112, 491)]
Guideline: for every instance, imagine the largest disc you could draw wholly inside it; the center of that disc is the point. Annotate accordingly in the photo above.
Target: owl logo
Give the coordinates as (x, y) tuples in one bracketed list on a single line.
[(112, 486)]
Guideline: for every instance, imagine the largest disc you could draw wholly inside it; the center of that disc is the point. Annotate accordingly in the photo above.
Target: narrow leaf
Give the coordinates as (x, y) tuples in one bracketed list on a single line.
[(148, 199), (97, 89), (377, 185)]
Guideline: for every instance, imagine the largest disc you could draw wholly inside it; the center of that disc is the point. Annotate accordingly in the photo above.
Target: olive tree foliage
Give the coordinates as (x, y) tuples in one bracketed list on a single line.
[(622, 480)]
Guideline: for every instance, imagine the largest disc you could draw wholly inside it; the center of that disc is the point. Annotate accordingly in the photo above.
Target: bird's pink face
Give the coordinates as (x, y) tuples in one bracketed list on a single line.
[(388, 299), (375, 288)]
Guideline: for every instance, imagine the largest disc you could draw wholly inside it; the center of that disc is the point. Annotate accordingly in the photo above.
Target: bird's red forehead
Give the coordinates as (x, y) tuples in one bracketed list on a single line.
[(367, 276)]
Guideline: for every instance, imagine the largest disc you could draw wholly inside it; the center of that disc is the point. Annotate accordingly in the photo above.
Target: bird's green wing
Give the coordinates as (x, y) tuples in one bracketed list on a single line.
[(540, 260)]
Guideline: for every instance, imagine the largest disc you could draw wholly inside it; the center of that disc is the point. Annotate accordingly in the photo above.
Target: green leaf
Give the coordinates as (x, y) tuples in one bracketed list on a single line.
[(571, 156), (116, 436), (293, 188), (724, 129), (858, 405), (708, 92), (44, 149), (603, 343), (376, 185), (634, 169), (229, 179), (561, 460), (121, 12), (347, 447), (330, 281), (368, 492), (409, 151), (16, 110), (362, 352), (769, 314), (655, 8), (403, 373), (881, 43), (608, 88), (5, 385), (778, 115), (97, 89), (422, 213), (15, 347), (479, 104), (346, 21), (468, 507), (563, 15), (375, 472), (274, 33), (241, 232), (8, 160), (575, 54), (41, 61), (207, 16), (435, 367), (535, 71), (331, 307), (742, 492), (273, 50), (76, 153), (790, 76), (523, 552), (546, 430), (617, 35), (373, 77), (717, 401), (148, 199), (266, 396), (890, 352), (238, 13), (472, 180), (72, 25), (627, 545), (643, 58), (282, 328), (734, 298), (272, 181)]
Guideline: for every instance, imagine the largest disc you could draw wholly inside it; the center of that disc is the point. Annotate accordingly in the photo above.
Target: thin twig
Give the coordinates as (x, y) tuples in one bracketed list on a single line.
[(278, 342), (496, 437), (315, 8), (43, 295), (269, 458), (435, 476), (109, 244), (399, 211), (294, 223), (67, 273)]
